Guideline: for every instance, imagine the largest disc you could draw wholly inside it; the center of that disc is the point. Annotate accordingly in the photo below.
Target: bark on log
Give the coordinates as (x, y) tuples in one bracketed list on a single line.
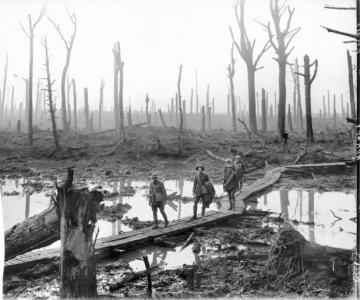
[(36, 232)]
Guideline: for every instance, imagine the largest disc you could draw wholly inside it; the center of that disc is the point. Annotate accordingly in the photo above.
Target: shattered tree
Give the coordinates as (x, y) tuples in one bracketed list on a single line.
[(246, 51), (68, 45), (78, 209)]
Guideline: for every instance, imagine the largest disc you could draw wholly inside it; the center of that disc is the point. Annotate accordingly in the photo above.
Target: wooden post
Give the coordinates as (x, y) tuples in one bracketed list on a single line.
[(75, 105), (203, 118), (334, 110), (289, 119), (87, 117), (148, 276), (324, 107), (77, 256), (263, 113)]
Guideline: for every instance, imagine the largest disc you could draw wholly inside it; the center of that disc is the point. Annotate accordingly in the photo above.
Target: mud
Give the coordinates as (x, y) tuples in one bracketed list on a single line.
[(231, 255)]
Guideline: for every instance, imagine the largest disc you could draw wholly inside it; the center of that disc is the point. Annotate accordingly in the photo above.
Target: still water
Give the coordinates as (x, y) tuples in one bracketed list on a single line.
[(324, 218)]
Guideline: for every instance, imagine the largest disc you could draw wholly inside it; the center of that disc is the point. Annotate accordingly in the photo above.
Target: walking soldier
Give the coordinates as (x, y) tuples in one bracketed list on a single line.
[(203, 190), (239, 169), (231, 183), (157, 199)]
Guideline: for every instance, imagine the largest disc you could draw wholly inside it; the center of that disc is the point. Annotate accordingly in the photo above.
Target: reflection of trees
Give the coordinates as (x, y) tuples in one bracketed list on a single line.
[(27, 204), (311, 216), (181, 188), (17, 183), (301, 204), (265, 199), (122, 186), (159, 255), (115, 186), (284, 202)]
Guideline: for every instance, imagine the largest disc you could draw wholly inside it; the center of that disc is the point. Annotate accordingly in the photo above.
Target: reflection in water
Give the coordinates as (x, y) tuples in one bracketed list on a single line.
[(315, 209), (311, 216)]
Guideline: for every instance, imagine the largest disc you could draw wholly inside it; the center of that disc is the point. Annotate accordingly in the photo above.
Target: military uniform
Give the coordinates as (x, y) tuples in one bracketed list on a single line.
[(240, 171), (231, 184), (203, 191), (157, 199)]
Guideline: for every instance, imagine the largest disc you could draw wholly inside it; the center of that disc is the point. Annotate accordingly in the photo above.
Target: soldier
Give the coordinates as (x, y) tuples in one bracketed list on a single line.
[(231, 183), (202, 190), (239, 169), (157, 199)]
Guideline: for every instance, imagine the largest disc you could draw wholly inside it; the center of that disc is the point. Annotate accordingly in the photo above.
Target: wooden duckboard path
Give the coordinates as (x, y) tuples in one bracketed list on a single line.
[(130, 240)]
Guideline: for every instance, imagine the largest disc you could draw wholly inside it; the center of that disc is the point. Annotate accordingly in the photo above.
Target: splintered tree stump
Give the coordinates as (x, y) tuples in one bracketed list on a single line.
[(291, 254), (78, 209)]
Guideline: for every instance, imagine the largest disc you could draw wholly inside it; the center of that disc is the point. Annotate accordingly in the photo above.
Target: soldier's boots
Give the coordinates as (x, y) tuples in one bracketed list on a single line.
[(233, 204), (203, 210), (194, 217), (155, 222)]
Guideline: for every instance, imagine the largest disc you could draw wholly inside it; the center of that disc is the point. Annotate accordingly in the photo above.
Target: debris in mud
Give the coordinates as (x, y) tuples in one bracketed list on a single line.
[(113, 213), (13, 193), (135, 223)]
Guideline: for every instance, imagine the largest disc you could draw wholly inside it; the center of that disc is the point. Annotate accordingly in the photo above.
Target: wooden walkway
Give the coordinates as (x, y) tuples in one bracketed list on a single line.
[(105, 247)]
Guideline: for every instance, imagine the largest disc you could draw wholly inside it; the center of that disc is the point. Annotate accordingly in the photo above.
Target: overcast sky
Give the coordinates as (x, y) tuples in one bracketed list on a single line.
[(156, 36)]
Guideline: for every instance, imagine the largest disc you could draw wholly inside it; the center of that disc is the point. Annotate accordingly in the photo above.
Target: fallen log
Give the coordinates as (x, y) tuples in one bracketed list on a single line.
[(114, 129), (36, 232), (300, 156), (39, 231)]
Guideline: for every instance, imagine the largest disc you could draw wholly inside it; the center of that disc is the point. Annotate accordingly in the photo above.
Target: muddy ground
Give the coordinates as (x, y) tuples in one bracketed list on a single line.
[(100, 157)]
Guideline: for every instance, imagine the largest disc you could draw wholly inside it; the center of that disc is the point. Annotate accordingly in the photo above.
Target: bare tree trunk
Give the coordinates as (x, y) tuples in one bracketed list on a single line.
[(191, 101), (116, 91), (162, 119), (208, 113), (172, 111), (197, 94), (26, 112), (334, 109), (324, 106), (179, 99), (129, 118), (87, 116), (275, 106), (294, 106), (263, 113), (92, 122), (213, 106), (184, 113), (328, 98), (68, 87), (228, 104), (12, 115), (320, 114), (203, 118), (257, 105), (2, 100), (75, 105), (231, 97), (50, 96), (342, 107), (101, 102), (351, 85), (68, 46), (298, 94), (347, 109), (148, 119), (77, 256), (308, 81), (289, 119), (176, 110)]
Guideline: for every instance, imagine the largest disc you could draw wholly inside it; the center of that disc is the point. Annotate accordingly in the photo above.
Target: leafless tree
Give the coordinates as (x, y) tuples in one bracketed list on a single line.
[(75, 104), (308, 80), (284, 36), (30, 34), (179, 100), (101, 102), (231, 72), (2, 100), (49, 85), (68, 45), (246, 50)]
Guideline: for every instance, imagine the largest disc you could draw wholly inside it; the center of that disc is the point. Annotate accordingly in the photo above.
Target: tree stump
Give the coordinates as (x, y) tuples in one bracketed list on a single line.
[(77, 258)]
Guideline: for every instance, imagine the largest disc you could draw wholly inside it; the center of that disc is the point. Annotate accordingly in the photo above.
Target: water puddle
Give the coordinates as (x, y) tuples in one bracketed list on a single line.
[(22, 198), (325, 218)]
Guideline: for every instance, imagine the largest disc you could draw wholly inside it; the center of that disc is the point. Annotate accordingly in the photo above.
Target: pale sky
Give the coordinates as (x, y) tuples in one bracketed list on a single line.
[(156, 36)]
